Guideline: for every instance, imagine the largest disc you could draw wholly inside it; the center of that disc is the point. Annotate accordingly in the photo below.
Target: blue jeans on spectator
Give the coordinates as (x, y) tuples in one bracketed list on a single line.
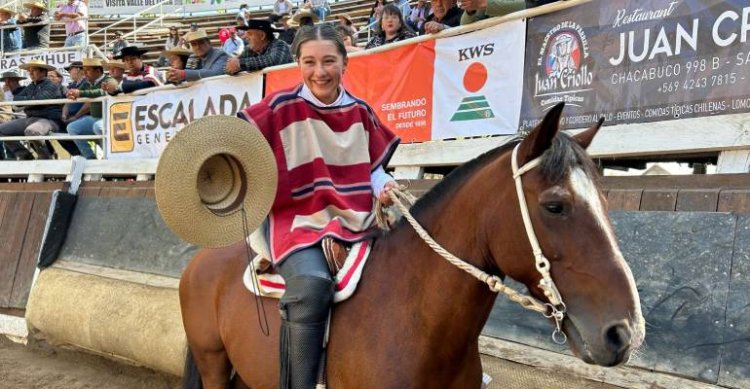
[(86, 125), (75, 40)]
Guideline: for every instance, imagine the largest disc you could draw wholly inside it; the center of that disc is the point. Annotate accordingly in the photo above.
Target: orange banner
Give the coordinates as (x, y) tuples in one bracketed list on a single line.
[(396, 83)]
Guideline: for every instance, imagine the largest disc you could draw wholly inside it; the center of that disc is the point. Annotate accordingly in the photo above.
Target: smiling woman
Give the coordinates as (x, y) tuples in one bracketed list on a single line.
[(330, 149)]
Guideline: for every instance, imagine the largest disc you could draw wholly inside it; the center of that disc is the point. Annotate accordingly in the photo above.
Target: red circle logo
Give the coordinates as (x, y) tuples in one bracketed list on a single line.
[(475, 77)]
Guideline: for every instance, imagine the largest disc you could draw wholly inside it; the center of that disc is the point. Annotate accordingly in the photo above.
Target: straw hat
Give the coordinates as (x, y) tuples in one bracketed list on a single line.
[(196, 35), (181, 51), (209, 172), (36, 63), (94, 62), (35, 4), (347, 18), (115, 63), (7, 10), (304, 13)]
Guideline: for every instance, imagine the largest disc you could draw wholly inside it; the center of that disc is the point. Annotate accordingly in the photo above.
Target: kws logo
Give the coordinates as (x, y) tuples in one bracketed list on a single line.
[(475, 77)]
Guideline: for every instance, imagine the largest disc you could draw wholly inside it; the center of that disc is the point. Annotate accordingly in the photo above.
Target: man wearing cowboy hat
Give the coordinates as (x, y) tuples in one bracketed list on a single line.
[(116, 69), (40, 119), (75, 29), (73, 111), (234, 45), (139, 75), (11, 83), (209, 61), (287, 32), (11, 37), (263, 49), (35, 37), (92, 123), (304, 17)]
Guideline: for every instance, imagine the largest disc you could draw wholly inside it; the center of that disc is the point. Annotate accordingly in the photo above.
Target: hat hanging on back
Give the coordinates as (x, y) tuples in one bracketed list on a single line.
[(211, 171)]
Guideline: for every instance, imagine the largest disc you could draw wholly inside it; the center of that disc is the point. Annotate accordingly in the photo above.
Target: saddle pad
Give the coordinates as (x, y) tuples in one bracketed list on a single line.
[(272, 285)]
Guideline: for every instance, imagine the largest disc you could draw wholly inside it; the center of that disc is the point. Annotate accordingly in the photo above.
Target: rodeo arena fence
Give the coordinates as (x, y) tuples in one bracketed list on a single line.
[(671, 78)]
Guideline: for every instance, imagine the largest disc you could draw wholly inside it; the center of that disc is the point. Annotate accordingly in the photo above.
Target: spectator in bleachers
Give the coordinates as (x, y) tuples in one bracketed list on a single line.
[(347, 38), (445, 14), (11, 84), (55, 76), (173, 40), (391, 28), (194, 27), (304, 17), (418, 15), (404, 7), (138, 76), (35, 37), (346, 21), (263, 49), (376, 12), (223, 35), (40, 119), (234, 45), (10, 36), (75, 29), (92, 123), (73, 111), (287, 32), (177, 57), (241, 16), (209, 60), (281, 7), (118, 43), (475, 10), (116, 69), (318, 7)]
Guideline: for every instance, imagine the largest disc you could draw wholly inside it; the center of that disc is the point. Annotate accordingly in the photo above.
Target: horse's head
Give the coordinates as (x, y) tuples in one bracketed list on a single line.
[(568, 213)]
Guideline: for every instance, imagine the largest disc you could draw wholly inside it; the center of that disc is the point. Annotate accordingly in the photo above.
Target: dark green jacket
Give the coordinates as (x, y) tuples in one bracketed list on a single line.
[(95, 90)]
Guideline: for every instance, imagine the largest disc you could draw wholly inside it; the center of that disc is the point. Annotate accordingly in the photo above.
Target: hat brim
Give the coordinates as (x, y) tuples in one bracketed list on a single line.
[(124, 52), (26, 66), (270, 29), (34, 5), (210, 171), (299, 15)]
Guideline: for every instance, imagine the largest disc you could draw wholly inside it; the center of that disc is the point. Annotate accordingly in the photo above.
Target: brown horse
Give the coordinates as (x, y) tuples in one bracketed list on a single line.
[(415, 319)]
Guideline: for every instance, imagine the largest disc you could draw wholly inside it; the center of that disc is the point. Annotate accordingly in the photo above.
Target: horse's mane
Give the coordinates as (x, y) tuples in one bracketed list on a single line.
[(564, 154)]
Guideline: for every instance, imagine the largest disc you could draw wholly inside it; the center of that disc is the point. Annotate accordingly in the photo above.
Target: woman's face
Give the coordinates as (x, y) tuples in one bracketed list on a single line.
[(175, 61), (390, 23), (322, 68)]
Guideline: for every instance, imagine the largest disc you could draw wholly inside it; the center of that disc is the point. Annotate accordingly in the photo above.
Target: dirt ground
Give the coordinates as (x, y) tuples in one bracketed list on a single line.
[(40, 366)]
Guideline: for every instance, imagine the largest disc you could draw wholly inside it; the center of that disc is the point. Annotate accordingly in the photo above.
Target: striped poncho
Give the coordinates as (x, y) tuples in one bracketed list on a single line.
[(325, 157)]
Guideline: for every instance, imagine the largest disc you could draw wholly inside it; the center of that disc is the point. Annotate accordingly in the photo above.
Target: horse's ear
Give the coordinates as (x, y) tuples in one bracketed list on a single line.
[(540, 138), (584, 138)]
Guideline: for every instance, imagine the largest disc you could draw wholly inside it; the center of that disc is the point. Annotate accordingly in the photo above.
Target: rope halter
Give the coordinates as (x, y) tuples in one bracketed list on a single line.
[(555, 308)]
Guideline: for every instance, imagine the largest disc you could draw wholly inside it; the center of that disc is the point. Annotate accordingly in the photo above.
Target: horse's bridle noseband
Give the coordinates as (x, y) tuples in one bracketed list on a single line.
[(555, 308)]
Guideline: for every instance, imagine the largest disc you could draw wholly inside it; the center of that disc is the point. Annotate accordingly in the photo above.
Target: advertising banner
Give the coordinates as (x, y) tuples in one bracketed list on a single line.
[(58, 59), (638, 61), (460, 86), (141, 126), (127, 7)]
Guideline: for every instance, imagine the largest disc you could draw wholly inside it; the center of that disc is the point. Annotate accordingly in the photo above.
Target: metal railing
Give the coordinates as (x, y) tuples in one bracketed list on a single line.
[(134, 18), (135, 32)]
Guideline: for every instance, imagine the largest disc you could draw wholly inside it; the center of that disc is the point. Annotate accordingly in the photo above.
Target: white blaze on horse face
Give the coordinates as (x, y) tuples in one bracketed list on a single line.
[(585, 189)]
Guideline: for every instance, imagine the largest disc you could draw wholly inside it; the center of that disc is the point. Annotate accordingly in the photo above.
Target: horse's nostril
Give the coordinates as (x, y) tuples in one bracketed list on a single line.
[(617, 337)]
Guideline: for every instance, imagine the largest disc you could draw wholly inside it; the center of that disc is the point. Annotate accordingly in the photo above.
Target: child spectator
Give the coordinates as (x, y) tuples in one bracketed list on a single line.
[(391, 28)]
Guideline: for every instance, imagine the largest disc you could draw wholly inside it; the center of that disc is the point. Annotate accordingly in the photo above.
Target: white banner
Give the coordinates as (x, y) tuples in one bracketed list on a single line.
[(478, 82), (141, 126), (58, 59), (127, 7)]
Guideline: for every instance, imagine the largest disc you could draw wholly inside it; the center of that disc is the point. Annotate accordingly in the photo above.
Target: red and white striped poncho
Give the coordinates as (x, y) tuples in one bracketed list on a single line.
[(325, 157)]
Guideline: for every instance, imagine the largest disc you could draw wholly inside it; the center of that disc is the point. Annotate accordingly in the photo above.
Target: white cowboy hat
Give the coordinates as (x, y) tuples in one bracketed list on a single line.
[(214, 171)]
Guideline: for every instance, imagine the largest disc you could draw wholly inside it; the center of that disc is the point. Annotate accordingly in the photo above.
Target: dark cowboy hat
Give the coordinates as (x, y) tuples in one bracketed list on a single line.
[(11, 75), (259, 24), (136, 49), (74, 64)]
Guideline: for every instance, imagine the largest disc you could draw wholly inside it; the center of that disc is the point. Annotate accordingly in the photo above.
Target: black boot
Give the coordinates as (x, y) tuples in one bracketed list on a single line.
[(304, 313), (301, 350)]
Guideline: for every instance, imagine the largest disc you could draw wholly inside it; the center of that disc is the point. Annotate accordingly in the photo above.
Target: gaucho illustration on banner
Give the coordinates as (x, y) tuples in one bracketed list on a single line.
[(638, 61)]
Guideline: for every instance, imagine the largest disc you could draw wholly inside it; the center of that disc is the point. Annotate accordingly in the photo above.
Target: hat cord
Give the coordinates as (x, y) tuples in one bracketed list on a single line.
[(259, 307)]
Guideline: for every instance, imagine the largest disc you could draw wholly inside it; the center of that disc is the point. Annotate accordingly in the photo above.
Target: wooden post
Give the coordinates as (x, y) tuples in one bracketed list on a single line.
[(734, 161)]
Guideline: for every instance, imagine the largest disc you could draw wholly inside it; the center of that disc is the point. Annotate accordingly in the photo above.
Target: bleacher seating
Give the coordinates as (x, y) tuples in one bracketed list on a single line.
[(154, 37)]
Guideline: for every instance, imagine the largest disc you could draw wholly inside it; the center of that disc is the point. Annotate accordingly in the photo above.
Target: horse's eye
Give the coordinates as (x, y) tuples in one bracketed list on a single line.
[(554, 207)]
